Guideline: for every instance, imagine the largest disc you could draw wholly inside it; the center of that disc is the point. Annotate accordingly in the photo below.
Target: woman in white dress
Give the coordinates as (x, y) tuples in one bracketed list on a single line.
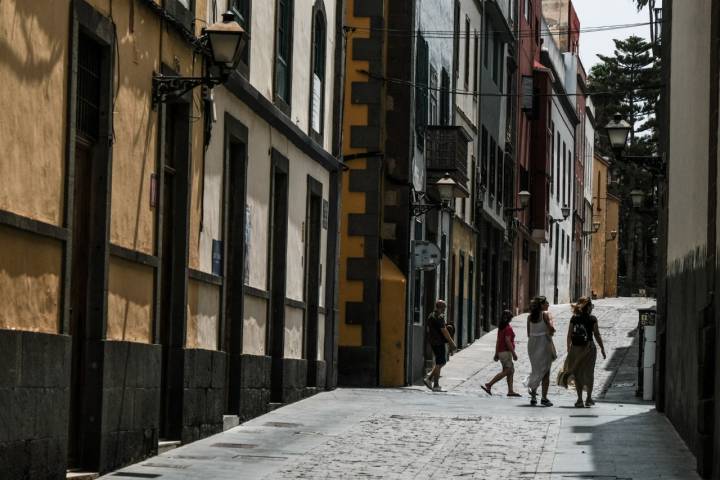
[(541, 349)]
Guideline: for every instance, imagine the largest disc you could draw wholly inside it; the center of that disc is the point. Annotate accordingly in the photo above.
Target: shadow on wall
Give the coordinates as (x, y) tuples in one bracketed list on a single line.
[(40, 36)]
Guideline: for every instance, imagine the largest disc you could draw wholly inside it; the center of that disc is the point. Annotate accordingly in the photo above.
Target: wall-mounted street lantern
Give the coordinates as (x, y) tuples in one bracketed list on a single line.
[(595, 228), (637, 197), (447, 189), (222, 44), (613, 236), (565, 214), (524, 197), (618, 131)]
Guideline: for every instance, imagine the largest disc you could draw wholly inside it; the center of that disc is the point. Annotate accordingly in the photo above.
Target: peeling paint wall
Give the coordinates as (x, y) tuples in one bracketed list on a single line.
[(203, 315), (33, 68), (30, 272), (130, 302), (294, 331), (254, 326)]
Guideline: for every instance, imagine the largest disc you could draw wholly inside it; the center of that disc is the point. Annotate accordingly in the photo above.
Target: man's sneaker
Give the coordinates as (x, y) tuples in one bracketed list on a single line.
[(437, 388), (546, 403), (579, 404), (426, 381), (533, 398), (589, 402)]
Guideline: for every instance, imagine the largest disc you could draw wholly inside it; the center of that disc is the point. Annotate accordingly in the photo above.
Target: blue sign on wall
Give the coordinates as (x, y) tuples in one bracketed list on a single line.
[(217, 257)]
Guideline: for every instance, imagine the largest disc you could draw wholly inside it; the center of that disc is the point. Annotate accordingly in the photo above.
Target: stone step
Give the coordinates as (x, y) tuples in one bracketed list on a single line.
[(167, 445), (76, 475), (230, 421), (274, 406)]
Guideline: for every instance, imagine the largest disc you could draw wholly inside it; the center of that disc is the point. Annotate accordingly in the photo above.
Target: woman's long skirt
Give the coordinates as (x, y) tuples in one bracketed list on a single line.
[(579, 367), (540, 353)]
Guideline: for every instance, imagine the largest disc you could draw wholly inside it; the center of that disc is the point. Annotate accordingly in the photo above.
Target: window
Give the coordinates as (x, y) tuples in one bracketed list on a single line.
[(241, 8), (467, 52), (444, 98), (564, 172), (421, 90), (433, 118), (475, 62), (496, 58), (473, 185), (486, 53), (317, 97), (552, 150), (501, 173), (493, 148), (183, 11), (456, 40), (89, 86), (557, 167), (562, 244), (484, 158), (528, 8), (283, 53)]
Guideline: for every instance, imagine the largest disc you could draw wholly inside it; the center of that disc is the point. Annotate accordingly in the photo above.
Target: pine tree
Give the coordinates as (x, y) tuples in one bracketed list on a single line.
[(628, 83)]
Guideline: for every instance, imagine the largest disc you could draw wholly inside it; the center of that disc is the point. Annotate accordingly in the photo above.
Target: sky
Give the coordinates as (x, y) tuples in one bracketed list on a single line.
[(595, 13)]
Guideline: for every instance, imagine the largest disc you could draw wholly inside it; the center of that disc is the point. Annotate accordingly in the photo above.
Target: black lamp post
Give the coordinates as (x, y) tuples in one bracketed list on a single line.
[(221, 44), (618, 131)]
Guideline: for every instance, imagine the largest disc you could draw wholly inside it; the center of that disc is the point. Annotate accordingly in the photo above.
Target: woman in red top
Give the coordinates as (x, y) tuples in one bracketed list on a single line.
[(505, 353)]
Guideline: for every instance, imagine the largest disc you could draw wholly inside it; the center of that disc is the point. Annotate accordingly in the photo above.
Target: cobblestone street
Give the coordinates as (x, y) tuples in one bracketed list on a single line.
[(462, 433)]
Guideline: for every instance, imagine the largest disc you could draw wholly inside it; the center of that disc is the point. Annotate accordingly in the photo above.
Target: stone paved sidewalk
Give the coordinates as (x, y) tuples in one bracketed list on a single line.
[(413, 433)]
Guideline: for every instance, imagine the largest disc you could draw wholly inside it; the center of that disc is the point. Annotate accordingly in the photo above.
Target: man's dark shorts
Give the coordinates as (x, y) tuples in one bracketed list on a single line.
[(440, 353)]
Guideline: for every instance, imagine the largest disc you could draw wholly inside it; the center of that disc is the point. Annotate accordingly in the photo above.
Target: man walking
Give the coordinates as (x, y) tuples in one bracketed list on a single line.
[(438, 336)]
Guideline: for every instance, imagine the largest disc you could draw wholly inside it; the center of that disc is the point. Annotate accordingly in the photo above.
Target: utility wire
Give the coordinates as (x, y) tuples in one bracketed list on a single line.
[(529, 33), (400, 81)]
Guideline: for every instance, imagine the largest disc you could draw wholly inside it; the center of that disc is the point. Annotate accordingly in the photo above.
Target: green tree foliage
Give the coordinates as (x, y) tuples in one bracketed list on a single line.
[(628, 83)]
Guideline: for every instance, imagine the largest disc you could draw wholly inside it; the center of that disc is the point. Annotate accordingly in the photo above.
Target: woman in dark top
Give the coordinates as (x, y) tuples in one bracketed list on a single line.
[(579, 365)]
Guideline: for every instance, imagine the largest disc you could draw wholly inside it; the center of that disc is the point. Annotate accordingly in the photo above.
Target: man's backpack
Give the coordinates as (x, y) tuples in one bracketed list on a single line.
[(579, 336)]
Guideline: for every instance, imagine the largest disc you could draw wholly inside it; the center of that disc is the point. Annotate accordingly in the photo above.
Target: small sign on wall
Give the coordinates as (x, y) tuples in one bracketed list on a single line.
[(217, 257), (248, 231), (325, 213)]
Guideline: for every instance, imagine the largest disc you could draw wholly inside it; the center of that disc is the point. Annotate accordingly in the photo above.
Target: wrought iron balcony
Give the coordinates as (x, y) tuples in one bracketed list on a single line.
[(446, 150)]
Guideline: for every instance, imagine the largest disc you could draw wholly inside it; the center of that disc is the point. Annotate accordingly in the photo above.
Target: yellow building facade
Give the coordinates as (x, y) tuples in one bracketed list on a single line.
[(136, 312), (604, 243)]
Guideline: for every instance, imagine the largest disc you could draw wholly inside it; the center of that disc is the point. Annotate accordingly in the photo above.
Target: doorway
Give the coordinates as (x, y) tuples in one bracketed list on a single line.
[(88, 184), (312, 277), (173, 244), (460, 326), (277, 271), (234, 270), (79, 290)]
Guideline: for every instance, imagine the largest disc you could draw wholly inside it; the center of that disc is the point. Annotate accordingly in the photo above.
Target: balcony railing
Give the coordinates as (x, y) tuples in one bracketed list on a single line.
[(446, 152)]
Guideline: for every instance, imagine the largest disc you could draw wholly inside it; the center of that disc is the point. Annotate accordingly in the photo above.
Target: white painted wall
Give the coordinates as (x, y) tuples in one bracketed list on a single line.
[(262, 56), (547, 253), (262, 138), (689, 130)]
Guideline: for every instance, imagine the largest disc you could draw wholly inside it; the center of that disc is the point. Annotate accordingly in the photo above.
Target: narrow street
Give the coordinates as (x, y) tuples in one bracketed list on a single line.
[(409, 433)]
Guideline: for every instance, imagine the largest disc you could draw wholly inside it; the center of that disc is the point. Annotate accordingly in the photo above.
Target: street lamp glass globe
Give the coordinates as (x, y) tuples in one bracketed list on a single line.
[(596, 226), (524, 198), (446, 188), (226, 40), (618, 131), (637, 197), (565, 211)]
